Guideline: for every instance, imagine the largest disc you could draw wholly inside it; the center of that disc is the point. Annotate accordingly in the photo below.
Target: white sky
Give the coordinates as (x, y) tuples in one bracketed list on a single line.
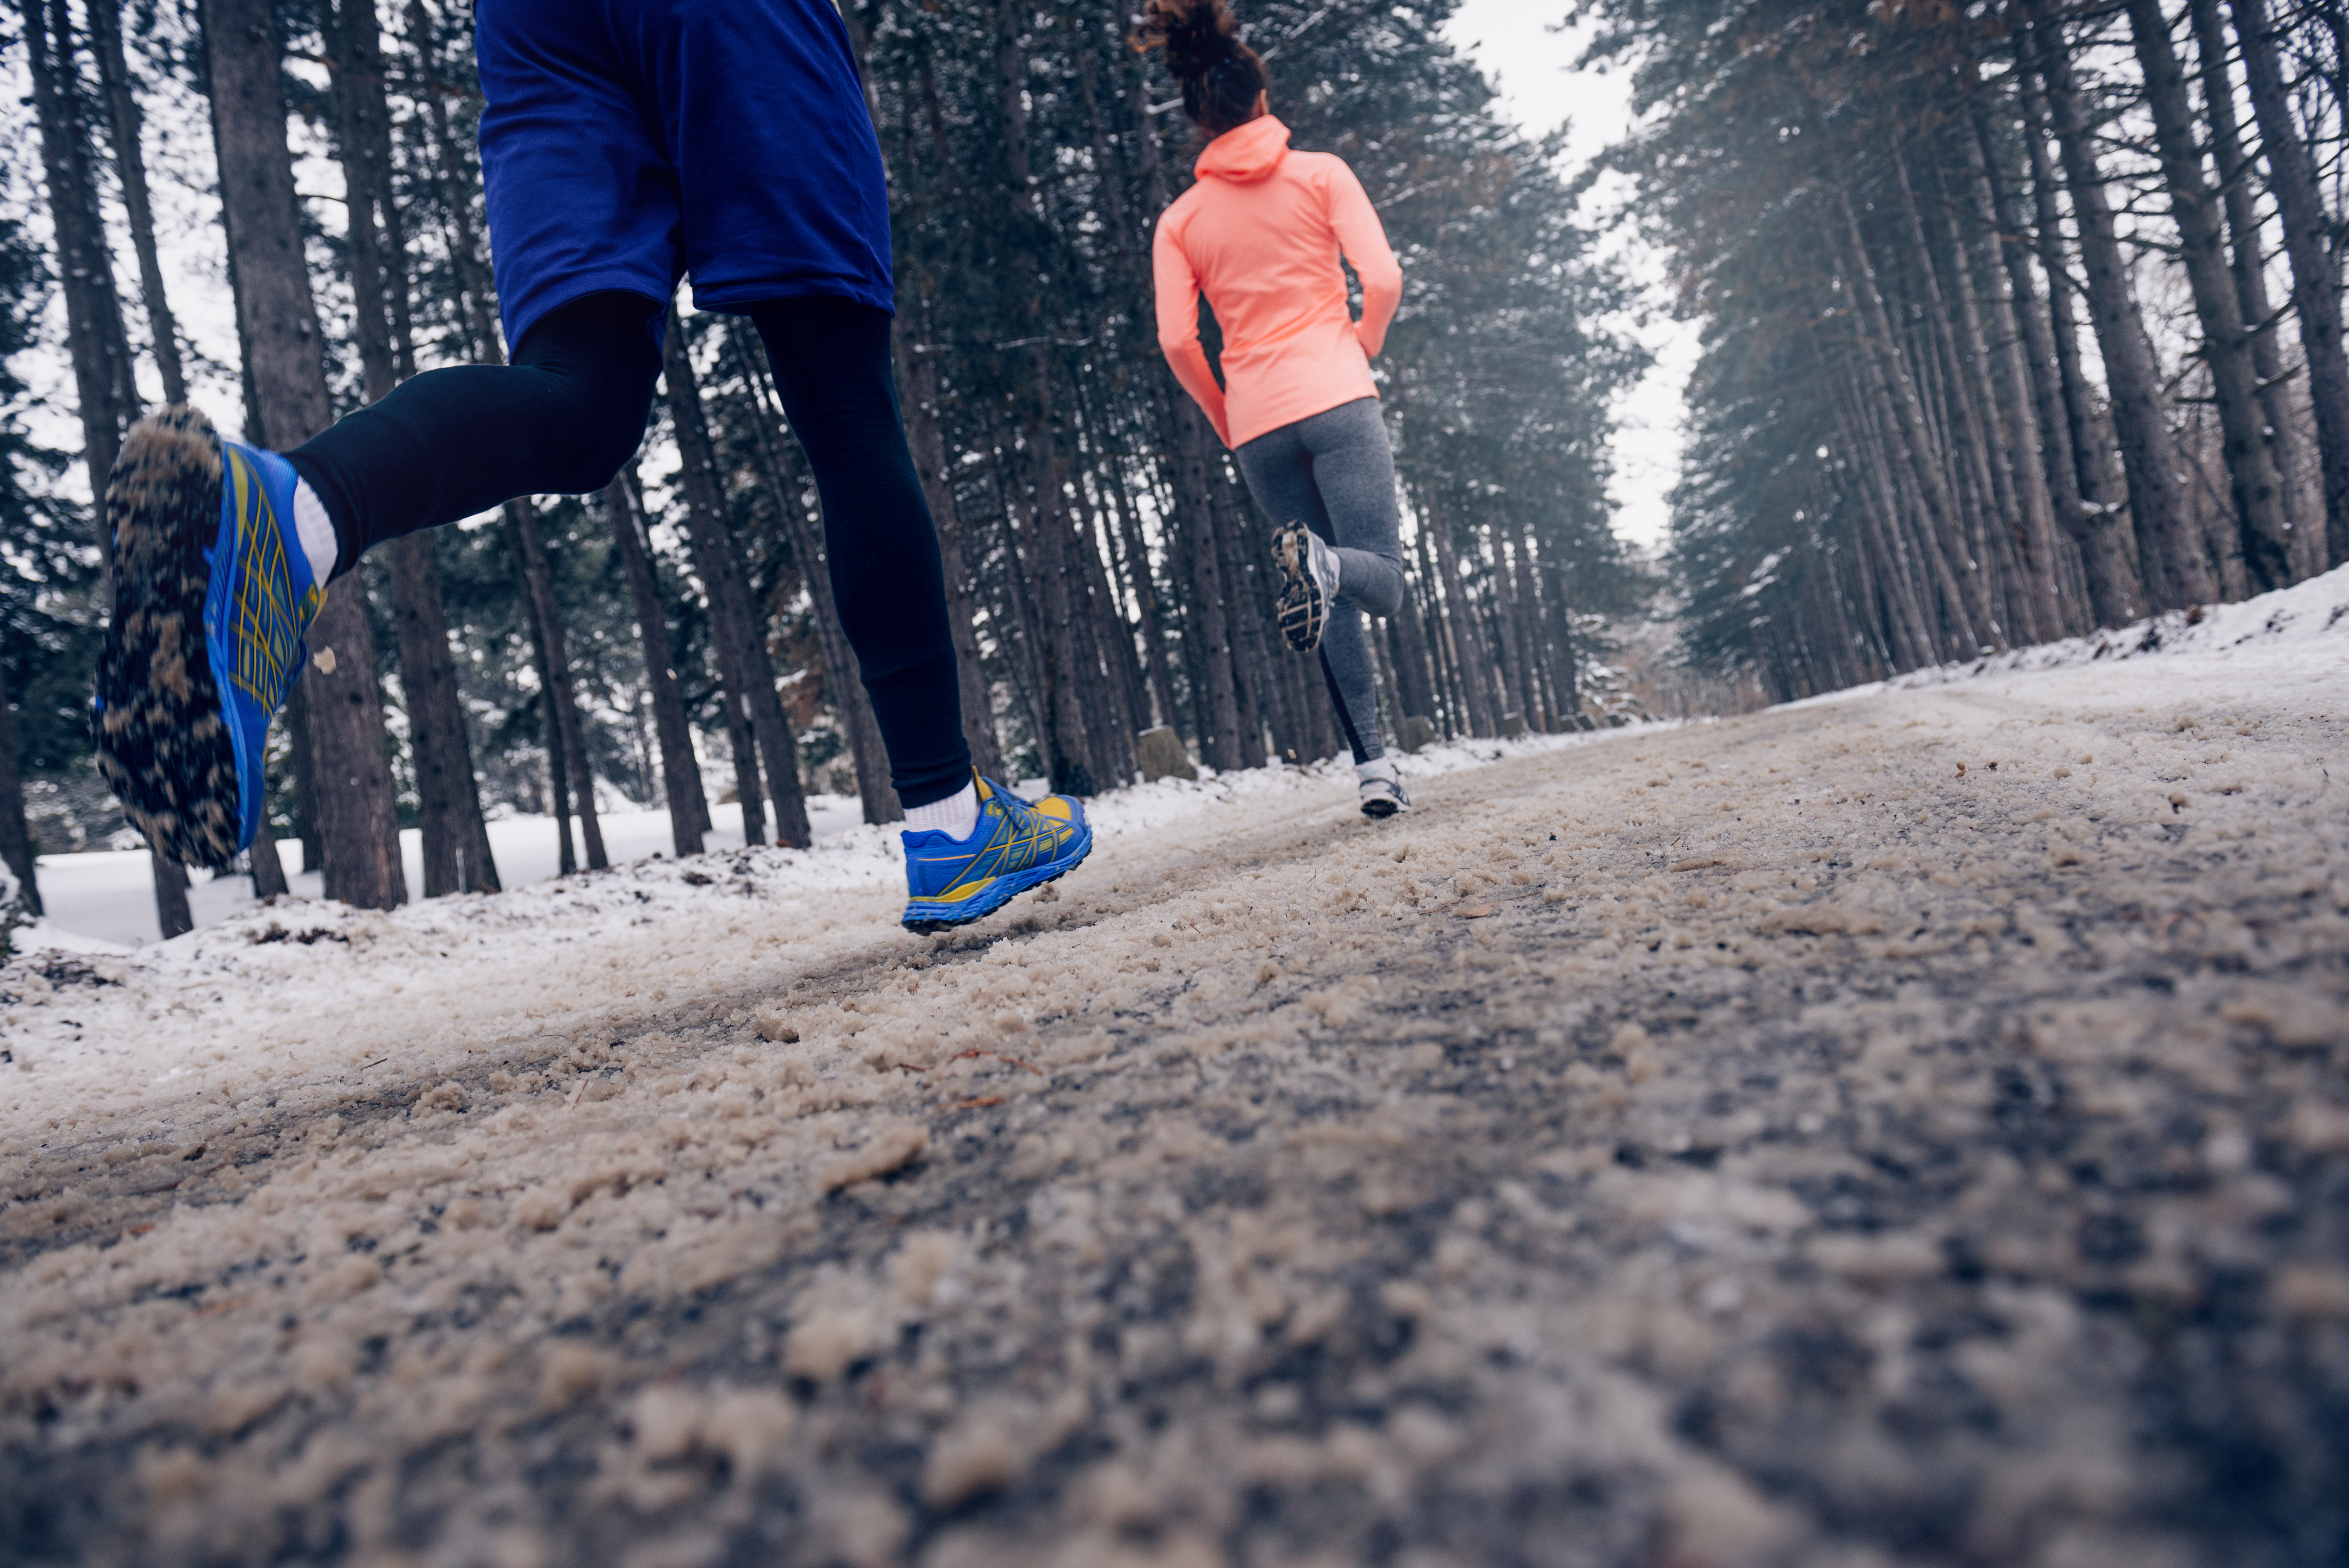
[(1516, 45)]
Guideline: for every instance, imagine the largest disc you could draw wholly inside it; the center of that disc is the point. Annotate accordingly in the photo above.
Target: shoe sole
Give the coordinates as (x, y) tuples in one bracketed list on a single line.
[(927, 918), (1302, 610), (1379, 810), (163, 746)]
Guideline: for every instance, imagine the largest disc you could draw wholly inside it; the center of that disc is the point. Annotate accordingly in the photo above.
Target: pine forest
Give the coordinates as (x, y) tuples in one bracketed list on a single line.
[(2018, 322)]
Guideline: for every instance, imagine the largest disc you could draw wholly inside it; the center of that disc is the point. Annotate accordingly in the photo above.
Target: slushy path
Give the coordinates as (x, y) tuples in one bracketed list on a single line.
[(1906, 1129)]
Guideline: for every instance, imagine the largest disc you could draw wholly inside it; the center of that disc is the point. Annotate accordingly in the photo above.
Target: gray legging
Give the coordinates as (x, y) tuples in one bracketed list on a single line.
[(1334, 472)]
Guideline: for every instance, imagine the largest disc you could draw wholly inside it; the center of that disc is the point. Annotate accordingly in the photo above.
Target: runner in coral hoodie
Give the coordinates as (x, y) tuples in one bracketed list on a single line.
[(1261, 235)]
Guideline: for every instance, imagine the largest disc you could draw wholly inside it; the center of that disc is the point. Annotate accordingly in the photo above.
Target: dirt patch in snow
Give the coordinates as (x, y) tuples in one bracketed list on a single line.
[(1912, 1128)]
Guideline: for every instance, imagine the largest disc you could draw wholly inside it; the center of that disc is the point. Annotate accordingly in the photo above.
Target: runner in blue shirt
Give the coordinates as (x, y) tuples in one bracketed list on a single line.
[(624, 143)]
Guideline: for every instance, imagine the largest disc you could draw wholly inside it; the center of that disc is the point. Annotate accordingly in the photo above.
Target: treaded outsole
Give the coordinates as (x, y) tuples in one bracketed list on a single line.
[(1302, 610), (163, 744), (1379, 810), (932, 927)]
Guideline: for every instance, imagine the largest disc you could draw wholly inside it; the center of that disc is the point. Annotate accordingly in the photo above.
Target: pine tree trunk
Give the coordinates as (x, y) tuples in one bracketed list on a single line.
[(917, 377), (2092, 458), (1472, 658), (97, 345), (1909, 630), (1408, 652), (688, 813), (357, 821), (735, 627), (2226, 341), (554, 668), (453, 836), (1247, 610), (558, 753), (1208, 614), (1965, 432), (1144, 585), (2177, 561), (843, 677), (1917, 462), (2310, 244), (16, 833), (95, 342), (2236, 194), (2025, 526), (2112, 584), (1569, 652), (129, 162)]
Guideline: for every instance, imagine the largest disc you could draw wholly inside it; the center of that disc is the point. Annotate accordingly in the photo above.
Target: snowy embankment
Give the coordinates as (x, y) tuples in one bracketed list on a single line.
[(2291, 634), (1904, 1127), (315, 989)]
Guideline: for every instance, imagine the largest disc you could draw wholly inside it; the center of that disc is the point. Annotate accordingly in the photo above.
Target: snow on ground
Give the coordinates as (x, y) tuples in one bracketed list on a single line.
[(1907, 1128), (107, 897)]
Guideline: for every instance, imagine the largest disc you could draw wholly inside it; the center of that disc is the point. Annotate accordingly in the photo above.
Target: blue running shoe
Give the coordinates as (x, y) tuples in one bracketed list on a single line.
[(1016, 846), (211, 595)]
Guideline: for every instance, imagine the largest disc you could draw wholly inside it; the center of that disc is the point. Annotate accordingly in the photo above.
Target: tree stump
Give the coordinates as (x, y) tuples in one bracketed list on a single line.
[(1418, 733)]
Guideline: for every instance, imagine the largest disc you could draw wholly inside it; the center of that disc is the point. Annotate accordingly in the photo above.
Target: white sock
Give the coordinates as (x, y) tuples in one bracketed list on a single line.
[(1381, 767), (315, 529), (955, 816)]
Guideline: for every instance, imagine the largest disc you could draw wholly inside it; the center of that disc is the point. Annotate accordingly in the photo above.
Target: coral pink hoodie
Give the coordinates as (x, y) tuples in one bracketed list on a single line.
[(1260, 234)]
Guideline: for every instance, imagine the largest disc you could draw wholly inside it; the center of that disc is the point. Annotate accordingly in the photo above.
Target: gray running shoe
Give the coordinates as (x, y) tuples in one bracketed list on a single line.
[(1309, 580), (1384, 797)]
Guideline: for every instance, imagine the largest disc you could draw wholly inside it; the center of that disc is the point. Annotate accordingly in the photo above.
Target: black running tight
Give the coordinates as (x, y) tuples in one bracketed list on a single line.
[(571, 408)]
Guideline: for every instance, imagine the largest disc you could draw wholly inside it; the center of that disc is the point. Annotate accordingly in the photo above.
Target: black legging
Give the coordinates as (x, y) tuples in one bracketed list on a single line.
[(571, 408)]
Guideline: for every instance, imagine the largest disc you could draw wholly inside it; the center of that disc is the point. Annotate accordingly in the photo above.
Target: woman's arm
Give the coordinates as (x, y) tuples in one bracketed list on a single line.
[(1364, 241), (1178, 288)]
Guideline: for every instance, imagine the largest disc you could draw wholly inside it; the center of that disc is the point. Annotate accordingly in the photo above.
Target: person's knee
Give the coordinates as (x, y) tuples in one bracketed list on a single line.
[(593, 367), (609, 425)]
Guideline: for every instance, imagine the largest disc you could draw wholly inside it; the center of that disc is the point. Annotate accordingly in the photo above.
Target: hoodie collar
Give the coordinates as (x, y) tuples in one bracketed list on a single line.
[(1246, 153)]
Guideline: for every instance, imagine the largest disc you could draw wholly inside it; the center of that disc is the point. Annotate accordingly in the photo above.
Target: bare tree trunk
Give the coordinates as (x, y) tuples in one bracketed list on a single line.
[(453, 835), (688, 813), (123, 115), (1914, 461), (2313, 248), (1474, 658), (844, 676), (358, 824), (2236, 194), (917, 378), (566, 738), (735, 626), (2226, 341), (1247, 611), (1966, 432), (97, 344), (16, 833), (1208, 614), (743, 742), (2112, 585), (2026, 528), (2148, 455)]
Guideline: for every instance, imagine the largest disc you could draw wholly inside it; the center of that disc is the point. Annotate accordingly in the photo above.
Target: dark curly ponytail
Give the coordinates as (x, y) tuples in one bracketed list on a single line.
[(1221, 77)]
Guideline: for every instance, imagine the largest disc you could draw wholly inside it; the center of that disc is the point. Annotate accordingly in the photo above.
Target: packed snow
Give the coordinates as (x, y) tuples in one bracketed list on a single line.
[(1908, 1125)]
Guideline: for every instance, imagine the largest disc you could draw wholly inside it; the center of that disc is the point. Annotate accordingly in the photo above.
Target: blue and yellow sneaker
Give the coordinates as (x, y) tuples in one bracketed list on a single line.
[(1016, 846), (211, 595)]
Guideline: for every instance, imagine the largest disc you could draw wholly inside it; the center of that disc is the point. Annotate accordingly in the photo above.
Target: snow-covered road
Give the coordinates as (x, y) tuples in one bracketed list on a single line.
[(1910, 1126)]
